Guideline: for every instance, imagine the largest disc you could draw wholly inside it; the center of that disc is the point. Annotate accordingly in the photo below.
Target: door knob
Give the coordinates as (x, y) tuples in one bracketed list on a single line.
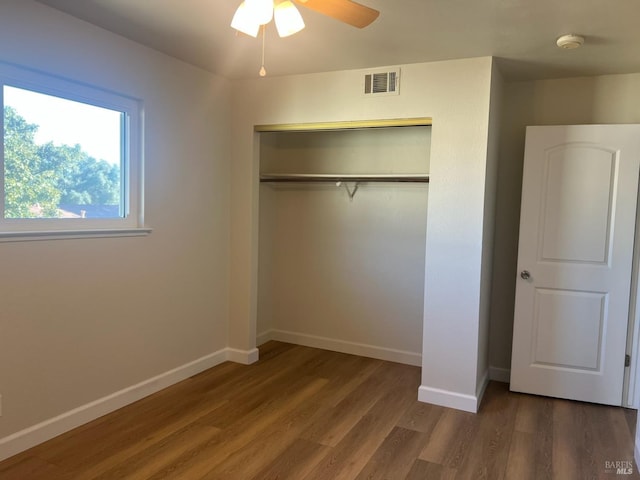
[(525, 275)]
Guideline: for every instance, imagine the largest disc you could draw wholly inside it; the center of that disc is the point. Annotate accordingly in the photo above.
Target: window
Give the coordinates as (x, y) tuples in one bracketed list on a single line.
[(70, 160)]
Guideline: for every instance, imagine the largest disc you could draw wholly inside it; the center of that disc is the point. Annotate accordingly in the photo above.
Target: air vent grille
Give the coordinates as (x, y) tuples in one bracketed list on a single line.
[(381, 83)]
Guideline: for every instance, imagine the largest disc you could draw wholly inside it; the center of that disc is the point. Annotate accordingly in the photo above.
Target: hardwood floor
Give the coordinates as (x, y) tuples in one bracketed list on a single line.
[(307, 414)]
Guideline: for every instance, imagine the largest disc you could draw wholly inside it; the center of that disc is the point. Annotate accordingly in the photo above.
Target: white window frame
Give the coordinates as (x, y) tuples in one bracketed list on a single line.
[(132, 222)]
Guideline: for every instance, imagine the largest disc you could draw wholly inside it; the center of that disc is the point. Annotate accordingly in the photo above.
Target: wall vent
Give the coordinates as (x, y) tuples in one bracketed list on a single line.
[(382, 83)]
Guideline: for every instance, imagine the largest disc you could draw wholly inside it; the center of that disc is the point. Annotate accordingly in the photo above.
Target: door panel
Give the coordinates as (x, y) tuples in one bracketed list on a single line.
[(578, 197), (577, 223), (568, 329)]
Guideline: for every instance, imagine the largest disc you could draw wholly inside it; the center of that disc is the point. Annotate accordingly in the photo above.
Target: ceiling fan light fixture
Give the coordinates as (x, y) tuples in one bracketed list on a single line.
[(253, 14), (288, 19), (261, 10), (244, 22)]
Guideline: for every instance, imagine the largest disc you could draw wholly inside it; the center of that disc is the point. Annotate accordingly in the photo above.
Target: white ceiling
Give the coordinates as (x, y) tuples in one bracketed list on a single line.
[(521, 33)]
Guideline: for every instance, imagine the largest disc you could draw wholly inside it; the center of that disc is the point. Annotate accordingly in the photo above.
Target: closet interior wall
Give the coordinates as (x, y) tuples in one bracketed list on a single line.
[(340, 273)]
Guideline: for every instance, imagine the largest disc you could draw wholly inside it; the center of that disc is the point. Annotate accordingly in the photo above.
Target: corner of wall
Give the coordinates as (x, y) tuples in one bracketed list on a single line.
[(245, 357), (458, 401), (489, 219), (499, 374)]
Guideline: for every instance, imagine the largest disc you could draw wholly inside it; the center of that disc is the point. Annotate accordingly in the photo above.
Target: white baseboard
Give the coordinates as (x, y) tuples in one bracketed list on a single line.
[(246, 357), (481, 388), (264, 337), (36, 434), (343, 346), (500, 374), (445, 398), (459, 401)]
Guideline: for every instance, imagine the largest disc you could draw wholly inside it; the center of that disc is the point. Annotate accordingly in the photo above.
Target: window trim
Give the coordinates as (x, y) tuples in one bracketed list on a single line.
[(132, 223), (24, 236)]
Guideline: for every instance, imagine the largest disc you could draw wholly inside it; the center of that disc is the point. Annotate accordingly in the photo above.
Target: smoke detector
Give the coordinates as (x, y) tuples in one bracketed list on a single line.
[(570, 41)]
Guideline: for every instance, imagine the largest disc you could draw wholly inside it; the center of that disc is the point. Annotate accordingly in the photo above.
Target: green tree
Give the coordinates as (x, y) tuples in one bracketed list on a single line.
[(29, 183), (82, 180), (99, 181), (65, 161), (40, 178)]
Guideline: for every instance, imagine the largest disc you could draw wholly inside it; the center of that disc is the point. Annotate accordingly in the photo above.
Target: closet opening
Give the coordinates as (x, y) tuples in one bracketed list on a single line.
[(342, 227)]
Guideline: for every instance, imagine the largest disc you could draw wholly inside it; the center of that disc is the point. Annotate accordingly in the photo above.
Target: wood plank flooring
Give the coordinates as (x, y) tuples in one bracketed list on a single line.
[(307, 414)]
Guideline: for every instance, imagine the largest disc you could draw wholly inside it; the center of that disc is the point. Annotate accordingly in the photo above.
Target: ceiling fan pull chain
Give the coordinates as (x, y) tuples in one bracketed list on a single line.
[(263, 72)]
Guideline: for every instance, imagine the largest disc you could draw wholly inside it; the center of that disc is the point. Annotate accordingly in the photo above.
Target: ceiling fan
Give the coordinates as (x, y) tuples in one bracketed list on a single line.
[(345, 11), (251, 14)]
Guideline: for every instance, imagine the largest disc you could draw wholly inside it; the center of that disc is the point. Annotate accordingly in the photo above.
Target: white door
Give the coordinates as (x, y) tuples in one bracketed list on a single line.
[(577, 224)]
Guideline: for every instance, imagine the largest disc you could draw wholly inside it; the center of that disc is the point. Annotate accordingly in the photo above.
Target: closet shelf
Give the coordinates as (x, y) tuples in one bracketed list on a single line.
[(322, 177)]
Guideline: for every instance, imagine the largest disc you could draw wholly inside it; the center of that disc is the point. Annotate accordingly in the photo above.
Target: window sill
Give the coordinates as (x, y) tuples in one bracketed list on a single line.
[(17, 236)]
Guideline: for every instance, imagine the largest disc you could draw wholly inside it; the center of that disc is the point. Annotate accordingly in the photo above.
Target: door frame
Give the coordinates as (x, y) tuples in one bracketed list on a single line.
[(631, 383)]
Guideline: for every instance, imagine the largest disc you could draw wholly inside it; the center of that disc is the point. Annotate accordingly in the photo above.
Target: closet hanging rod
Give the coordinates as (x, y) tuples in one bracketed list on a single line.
[(321, 177)]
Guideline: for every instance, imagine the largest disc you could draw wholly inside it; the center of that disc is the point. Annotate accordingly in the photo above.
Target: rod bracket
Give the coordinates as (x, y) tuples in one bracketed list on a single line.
[(351, 191)]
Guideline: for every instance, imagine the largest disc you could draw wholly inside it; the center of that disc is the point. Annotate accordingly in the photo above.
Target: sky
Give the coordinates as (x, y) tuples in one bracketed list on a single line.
[(66, 122)]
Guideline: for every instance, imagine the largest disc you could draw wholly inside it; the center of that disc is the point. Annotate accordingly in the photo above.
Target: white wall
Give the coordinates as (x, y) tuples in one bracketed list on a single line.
[(585, 100), (339, 273), (82, 319), (456, 94)]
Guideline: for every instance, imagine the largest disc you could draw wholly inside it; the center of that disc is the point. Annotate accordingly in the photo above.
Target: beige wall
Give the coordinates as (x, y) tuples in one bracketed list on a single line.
[(456, 95), (586, 100), (81, 319)]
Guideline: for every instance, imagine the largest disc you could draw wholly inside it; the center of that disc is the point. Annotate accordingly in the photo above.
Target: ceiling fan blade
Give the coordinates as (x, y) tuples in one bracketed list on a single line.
[(344, 10)]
